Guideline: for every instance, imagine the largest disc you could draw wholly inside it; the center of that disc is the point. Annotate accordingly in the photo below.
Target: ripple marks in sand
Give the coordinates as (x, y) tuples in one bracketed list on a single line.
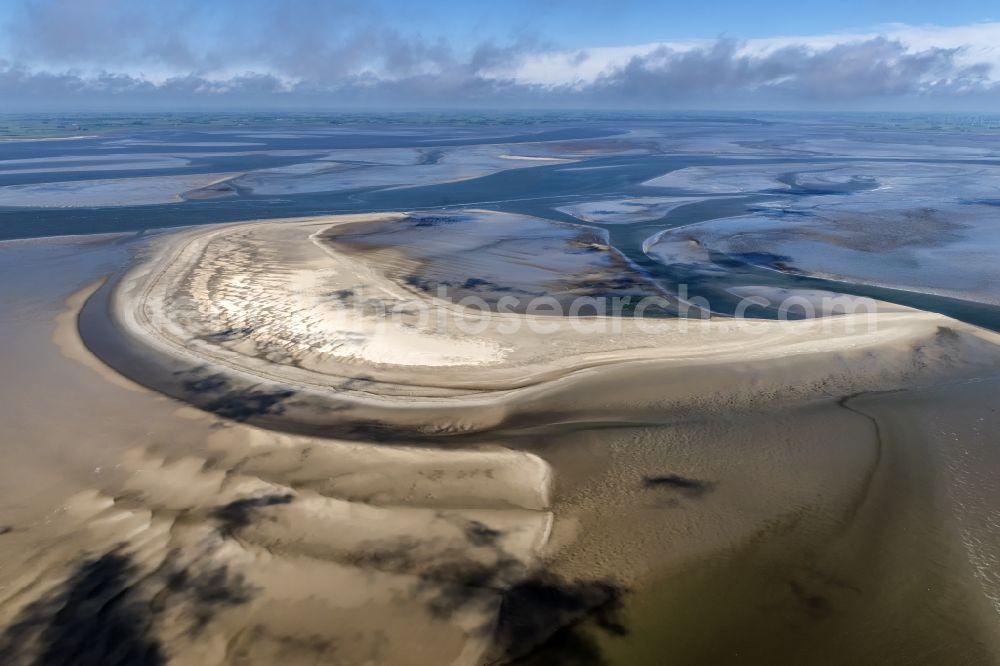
[(276, 546)]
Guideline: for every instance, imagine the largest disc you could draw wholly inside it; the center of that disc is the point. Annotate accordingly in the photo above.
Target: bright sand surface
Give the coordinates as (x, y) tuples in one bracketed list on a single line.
[(278, 301)]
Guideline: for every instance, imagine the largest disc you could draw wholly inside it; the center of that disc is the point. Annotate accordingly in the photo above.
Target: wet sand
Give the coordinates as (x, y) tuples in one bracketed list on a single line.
[(684, 491), (137, 529)]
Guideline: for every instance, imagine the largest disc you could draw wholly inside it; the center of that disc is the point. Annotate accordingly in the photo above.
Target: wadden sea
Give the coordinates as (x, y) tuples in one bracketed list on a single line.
[(509, 389)]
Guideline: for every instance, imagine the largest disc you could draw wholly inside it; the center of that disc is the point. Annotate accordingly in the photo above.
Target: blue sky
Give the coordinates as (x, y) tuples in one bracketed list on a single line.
[(546, 53), (622, 22)]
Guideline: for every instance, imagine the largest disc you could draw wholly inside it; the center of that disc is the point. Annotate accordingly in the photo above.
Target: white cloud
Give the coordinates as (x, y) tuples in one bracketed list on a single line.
[(976, 44), (369, 64)]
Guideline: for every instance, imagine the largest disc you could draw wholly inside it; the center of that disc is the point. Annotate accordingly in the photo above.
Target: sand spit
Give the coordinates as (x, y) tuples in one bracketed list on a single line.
[(66, 337), (269, 322)]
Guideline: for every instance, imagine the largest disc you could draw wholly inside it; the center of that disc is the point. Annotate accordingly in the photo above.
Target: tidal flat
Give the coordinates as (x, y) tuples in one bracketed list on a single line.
[(293, 418)]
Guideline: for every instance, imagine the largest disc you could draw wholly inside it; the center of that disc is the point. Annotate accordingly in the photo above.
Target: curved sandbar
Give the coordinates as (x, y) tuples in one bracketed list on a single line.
[(740, 439), (275, 324)]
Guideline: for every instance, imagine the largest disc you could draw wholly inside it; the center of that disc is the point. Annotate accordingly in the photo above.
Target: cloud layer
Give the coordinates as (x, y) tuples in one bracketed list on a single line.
[(308, 53)]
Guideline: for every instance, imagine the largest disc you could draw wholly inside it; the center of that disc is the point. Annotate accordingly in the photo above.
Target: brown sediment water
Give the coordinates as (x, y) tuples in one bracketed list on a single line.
[(893, 561)]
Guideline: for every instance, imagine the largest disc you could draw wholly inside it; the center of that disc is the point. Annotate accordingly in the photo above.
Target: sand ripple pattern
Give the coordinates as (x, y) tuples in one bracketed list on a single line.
[(275, 547)]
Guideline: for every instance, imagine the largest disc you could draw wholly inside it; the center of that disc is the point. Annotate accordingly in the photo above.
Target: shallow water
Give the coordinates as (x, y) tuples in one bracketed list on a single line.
[(478, 258), (635, 176)]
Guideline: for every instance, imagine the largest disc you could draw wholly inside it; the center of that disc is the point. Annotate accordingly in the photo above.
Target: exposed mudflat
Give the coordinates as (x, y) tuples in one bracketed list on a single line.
[(419, 432), (579, 482)]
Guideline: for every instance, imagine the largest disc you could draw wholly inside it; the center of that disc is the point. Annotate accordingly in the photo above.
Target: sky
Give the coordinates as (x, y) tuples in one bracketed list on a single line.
[(310, 54)]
